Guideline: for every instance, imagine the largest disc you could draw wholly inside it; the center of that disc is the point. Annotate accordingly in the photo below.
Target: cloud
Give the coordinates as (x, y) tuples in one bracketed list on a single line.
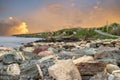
[(2, 9), (12, 26), (56, 16)]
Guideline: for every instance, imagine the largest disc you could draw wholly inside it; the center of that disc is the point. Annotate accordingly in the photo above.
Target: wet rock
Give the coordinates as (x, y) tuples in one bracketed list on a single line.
[(64, 70), (83, 59), (110, 68), (91, 68)]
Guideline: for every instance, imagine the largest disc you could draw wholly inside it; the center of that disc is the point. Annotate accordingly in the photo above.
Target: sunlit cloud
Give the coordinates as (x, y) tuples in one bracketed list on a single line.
[(58, 16), (13, 26)]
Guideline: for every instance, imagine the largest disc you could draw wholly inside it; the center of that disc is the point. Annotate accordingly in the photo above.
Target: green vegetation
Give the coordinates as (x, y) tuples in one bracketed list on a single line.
[(113, 29)]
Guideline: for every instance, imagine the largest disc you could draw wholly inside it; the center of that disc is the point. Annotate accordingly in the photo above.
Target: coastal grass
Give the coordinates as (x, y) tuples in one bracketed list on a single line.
[(113, 29)]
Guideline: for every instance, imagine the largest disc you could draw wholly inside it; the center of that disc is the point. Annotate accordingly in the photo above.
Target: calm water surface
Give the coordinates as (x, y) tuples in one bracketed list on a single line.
[(15, 41)]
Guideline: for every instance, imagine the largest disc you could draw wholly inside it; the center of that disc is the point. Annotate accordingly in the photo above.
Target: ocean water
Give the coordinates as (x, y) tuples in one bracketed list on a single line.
[(12, 41)]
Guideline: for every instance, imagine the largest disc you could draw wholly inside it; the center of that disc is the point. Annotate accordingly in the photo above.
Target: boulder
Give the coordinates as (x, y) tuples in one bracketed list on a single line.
[(103, 49), (40, 49), (93, 45), (12, 57), (83, 59), (28, 49), (2, 53), (91, 68), (117, 45), (86, 51), (5, 49), (13, 69), (30, 56), (116, 73), (64, 70), (107, 61), (30, 70), (50, 51), (36, 69), (68, 55), (110, 68), (53, 50), (10, 72), (45, 53), (114, 54)]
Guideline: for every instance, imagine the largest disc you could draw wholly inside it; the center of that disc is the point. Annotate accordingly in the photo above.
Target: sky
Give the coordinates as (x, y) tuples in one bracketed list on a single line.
[(31, 16)]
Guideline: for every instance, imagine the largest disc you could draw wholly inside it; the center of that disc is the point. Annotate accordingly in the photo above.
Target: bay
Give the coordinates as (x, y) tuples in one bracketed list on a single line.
[(12, 41)]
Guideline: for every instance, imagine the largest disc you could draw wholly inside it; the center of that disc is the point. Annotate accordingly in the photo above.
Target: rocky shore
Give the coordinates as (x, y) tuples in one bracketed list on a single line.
[(82, 60)]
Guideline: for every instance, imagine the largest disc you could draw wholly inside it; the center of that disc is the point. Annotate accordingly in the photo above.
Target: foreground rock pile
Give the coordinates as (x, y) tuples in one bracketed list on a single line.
[(84, 60)]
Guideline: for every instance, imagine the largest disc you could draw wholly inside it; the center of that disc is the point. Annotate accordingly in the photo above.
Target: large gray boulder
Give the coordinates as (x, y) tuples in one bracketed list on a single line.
[(11, 57)]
